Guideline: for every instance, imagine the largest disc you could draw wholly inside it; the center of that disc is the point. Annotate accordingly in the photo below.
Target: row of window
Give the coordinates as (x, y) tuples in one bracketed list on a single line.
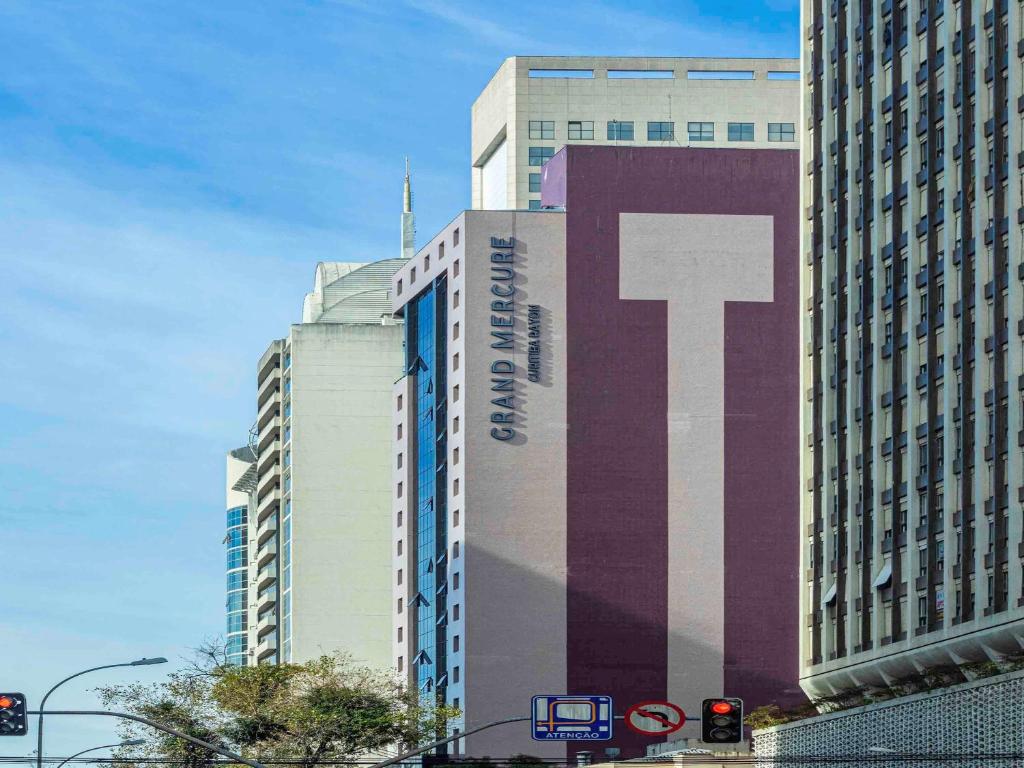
[(623, 130)]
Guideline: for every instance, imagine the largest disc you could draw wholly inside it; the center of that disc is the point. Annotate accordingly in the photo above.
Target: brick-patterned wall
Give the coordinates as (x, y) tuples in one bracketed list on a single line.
[(984, 717)]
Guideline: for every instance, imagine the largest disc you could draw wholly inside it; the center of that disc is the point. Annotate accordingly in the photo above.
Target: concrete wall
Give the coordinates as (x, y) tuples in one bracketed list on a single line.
[(955, 725), (342, 378)]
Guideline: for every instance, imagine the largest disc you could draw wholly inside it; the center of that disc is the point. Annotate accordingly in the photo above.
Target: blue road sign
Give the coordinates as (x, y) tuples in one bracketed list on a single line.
[(567, 718)]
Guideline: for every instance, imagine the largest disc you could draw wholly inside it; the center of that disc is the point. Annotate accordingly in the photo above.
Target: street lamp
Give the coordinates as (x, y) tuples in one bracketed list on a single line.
[(128, 743), (42, 704)]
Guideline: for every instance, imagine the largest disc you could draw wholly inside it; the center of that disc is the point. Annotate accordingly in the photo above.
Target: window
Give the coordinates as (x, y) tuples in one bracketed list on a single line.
[(455, 487), (581, 129), (399, 634), (620, 130), (542, 129), (455, 674), (455, 581), (741, 131), (455, 391), (455, 612), (399, 402), (535, 182), (540, 155), (399, 431), (701, 131), (534, 205), (660, 131), (440, 250), (455, 331), (455, 424), (455, 268), (426, 263), (455, 456), (455, 299), (399, 490), (455, 550), (399, 290), (398, 547), (399, 462), (455, 236), (399, 605), (412, 275), (456, 643), (455, 361), (401, 663), (781, 132), (398, 519)]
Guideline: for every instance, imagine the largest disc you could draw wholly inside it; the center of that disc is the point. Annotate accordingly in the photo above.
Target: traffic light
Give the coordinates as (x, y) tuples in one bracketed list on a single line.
[(721, 721), (13, 717)]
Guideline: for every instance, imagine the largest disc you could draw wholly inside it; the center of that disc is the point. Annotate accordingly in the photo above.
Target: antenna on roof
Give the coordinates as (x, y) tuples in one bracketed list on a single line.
[(408, 219)]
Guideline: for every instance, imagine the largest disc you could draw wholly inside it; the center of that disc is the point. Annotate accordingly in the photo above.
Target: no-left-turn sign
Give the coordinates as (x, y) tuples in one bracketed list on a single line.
[(655, 718)]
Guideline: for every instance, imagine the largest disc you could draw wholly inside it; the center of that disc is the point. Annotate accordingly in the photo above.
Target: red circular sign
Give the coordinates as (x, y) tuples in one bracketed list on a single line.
[(655, 718)]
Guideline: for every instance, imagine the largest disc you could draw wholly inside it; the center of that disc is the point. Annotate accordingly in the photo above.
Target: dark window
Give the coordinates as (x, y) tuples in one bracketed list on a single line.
[(620, 130), (540, 155), (581, 129), (535, 182), (701, 131), (542, 129), (781, 132), (741, 131), (535, 205), (661, 131)]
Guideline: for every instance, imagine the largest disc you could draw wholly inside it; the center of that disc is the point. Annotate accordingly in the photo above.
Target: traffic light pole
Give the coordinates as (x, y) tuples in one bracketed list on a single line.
[(160, 727)]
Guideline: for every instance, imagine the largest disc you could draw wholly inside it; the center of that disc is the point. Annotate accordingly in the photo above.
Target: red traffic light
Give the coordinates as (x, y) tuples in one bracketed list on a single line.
[(721, 707), (6, 702)]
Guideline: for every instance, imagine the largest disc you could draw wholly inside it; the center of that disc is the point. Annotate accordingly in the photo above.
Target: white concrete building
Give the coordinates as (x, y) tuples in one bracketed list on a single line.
[(534, 105), (319, 534), (913, 464)]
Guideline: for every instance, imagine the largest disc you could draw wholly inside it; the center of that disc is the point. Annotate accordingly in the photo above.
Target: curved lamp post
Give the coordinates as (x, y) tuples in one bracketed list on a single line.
[(42, 704), (128, 743)]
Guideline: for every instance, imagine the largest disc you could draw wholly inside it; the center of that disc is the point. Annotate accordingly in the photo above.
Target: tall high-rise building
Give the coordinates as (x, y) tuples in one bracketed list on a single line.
[(534, 105), (241, 478), (595, 470), (912, 537), (319, 524)]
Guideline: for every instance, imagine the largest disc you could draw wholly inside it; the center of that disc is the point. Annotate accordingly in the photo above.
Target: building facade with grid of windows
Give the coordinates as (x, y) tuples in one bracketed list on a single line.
[(914, 314), (596, 443), (534, 105), (318, 533)]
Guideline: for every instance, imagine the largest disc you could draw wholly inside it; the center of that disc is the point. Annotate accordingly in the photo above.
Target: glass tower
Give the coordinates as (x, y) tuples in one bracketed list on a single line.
[(237, 557), (426, 321)]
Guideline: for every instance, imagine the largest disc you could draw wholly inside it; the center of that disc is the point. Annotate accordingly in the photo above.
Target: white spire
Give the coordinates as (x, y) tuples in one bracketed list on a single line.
[(408, 219)]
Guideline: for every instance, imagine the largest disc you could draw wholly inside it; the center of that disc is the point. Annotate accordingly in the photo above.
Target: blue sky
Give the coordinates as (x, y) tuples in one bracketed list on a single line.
[(170, 173)]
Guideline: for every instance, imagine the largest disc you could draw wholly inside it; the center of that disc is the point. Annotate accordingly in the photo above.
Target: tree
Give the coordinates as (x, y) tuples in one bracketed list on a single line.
[(183, 702), (327, 709)]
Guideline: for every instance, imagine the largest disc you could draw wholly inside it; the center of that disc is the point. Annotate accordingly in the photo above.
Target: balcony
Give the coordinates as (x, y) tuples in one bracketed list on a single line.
[(266, 622), (266, 552), (266, 576), (267, 646), (267, 387), (267, 435), (266, 529), (266, 599), (268, 410), (268, 504)]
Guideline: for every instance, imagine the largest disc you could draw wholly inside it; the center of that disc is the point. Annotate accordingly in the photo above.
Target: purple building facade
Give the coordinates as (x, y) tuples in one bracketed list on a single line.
[(621, 443)]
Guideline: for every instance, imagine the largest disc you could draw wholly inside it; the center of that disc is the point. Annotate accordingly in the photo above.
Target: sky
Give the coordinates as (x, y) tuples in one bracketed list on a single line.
[(170, 174)]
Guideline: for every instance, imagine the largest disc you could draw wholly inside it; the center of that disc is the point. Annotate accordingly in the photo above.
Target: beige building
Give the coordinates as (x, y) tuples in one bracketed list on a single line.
[(534, 105), (913, 465), (318, 531)]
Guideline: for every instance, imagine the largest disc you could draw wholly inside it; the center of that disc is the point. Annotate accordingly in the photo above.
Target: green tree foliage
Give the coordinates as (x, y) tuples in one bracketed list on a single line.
[(327, 709)]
